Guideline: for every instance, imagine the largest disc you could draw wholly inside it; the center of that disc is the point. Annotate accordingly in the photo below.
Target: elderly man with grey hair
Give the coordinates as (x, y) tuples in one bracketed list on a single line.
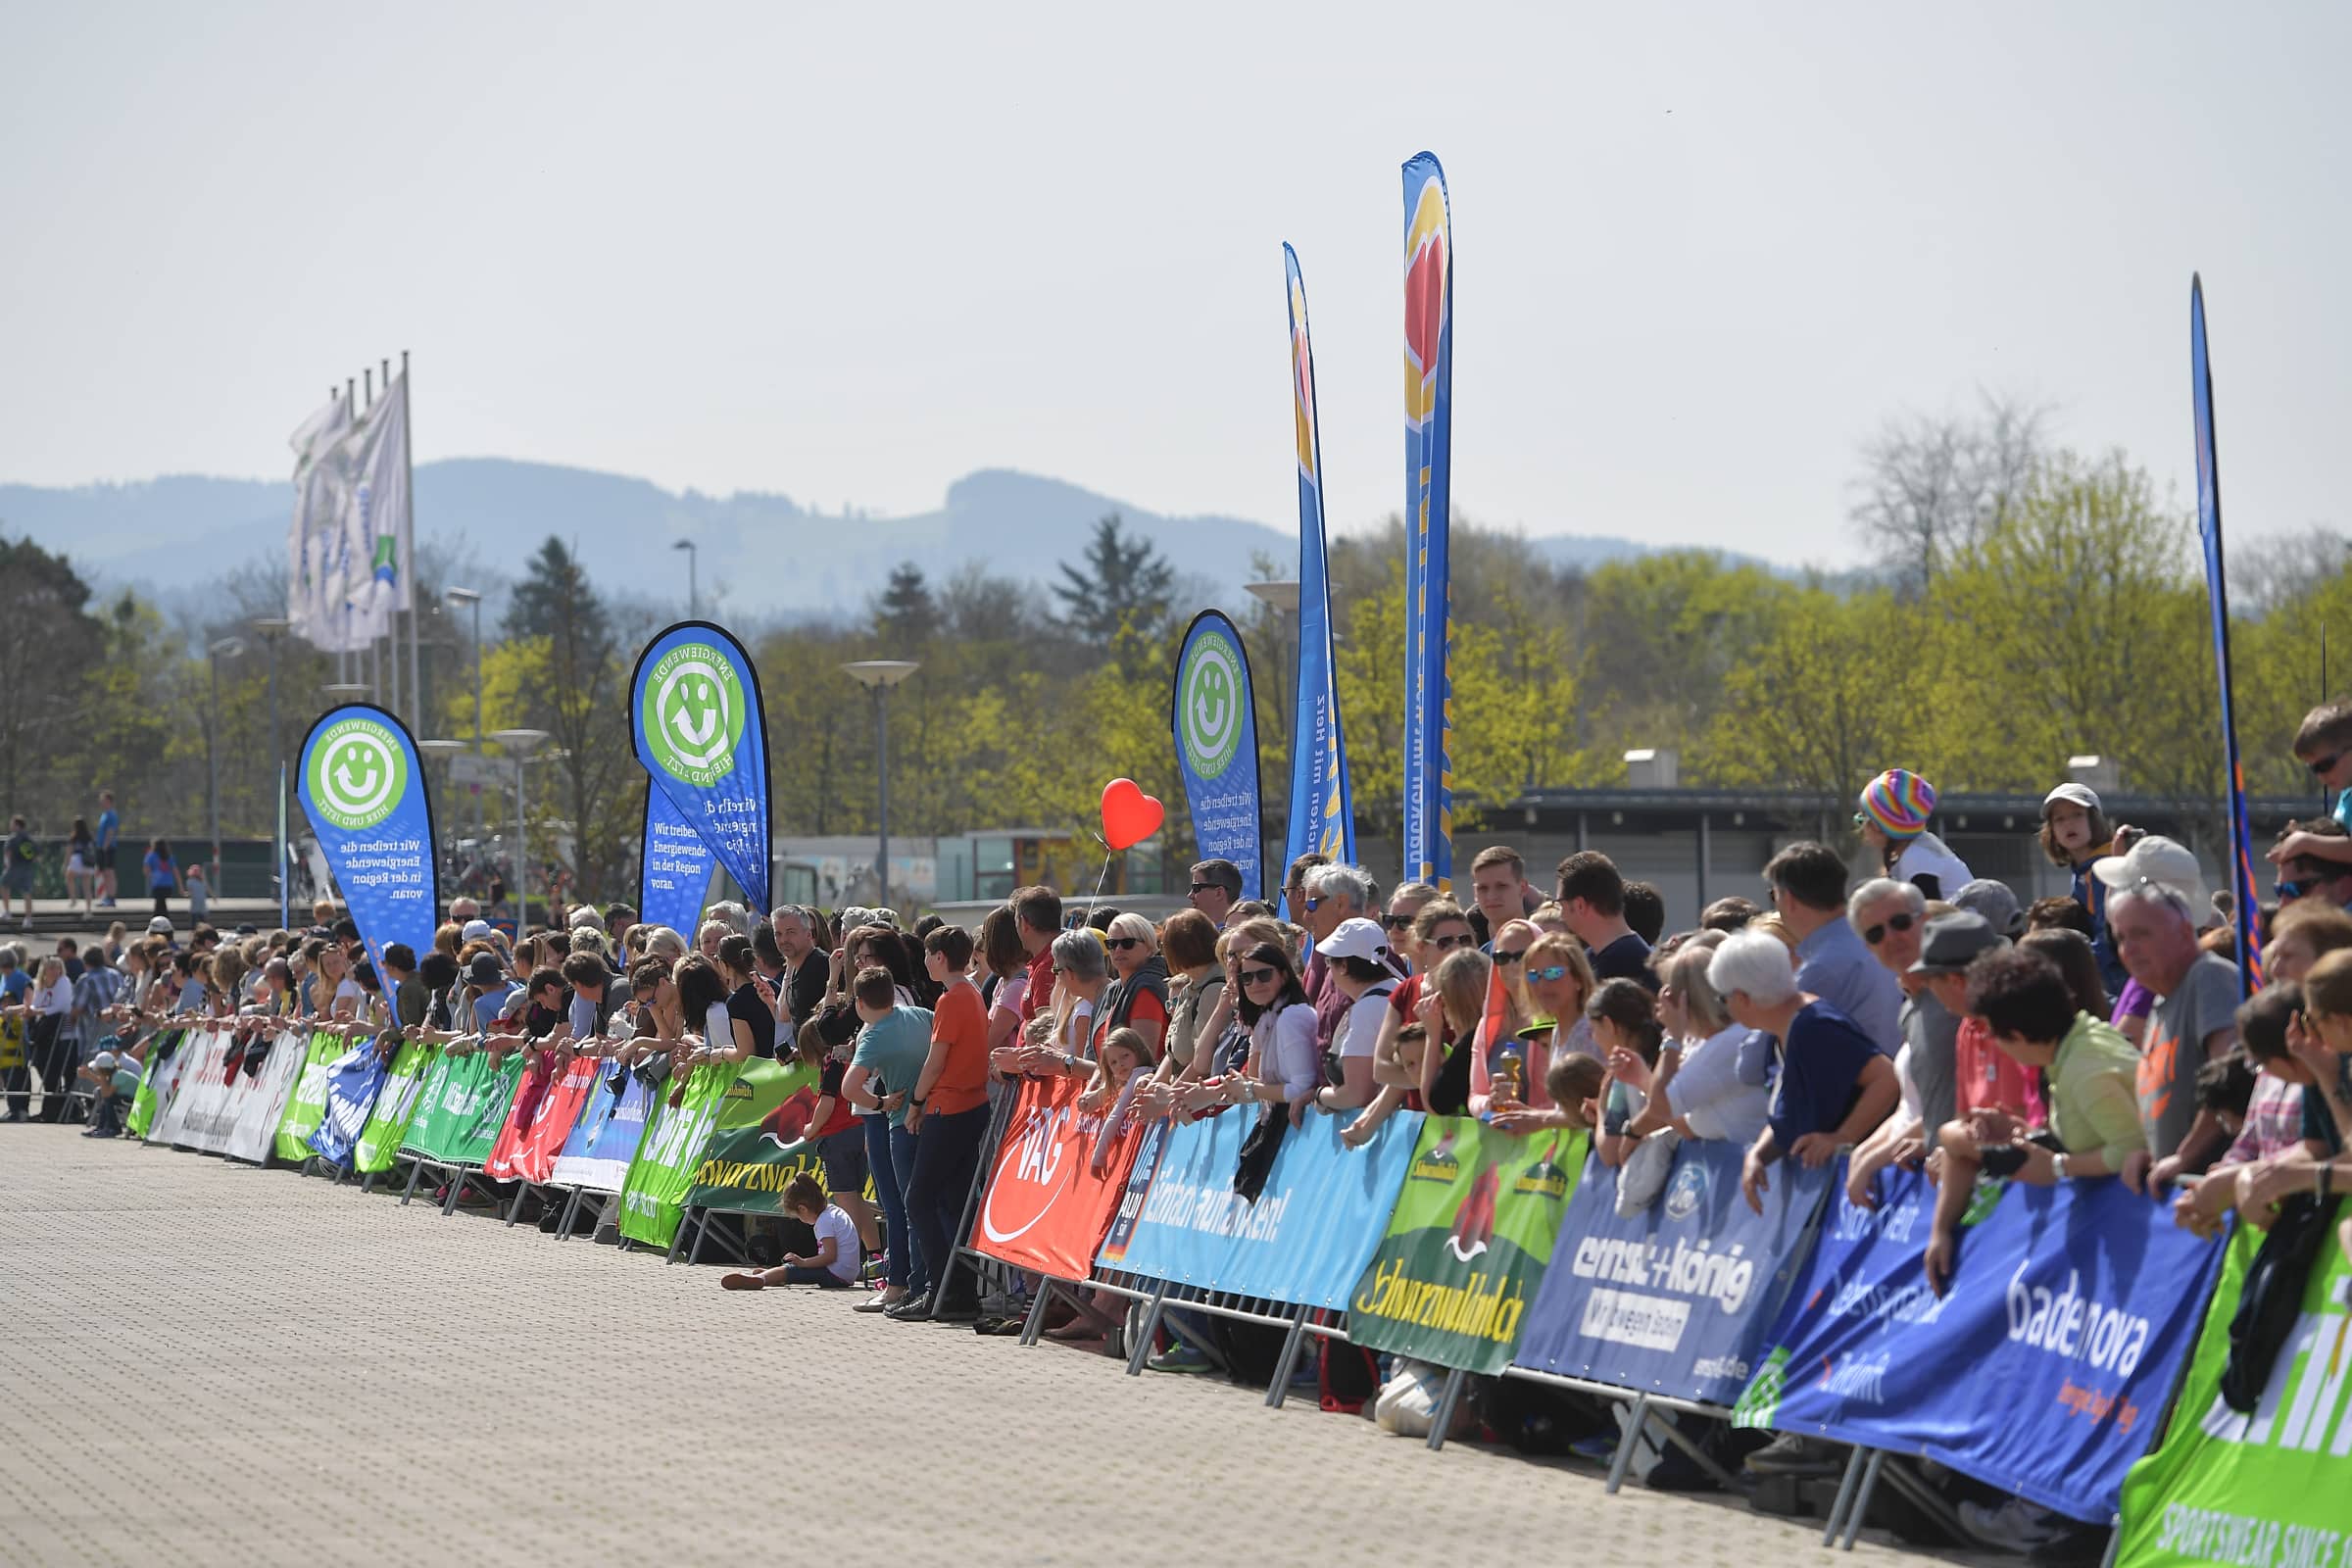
[(1892, 919), (807, 967), (1333, 893)]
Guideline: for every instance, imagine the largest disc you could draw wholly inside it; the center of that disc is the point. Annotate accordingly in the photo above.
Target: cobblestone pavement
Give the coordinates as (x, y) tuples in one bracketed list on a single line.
[(208, 1363)]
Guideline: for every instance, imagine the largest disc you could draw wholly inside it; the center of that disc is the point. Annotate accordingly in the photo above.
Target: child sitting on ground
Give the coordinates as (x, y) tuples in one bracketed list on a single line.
[(117, 1081), (833, 1266)]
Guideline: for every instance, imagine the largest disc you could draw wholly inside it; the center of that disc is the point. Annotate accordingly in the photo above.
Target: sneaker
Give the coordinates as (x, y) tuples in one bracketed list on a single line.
[(879, 1301), (1792, 1453), (2014, 1526), (1182, 1359), (1600, 1448)]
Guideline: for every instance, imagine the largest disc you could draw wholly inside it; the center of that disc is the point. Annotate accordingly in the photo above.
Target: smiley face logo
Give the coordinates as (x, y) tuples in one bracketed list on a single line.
[(358, 773), (693, 714), (1208, 703)]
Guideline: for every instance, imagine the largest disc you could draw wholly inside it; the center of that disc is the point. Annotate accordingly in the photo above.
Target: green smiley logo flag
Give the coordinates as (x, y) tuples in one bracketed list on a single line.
[(1215, 726), (365, 796), (696, 717)]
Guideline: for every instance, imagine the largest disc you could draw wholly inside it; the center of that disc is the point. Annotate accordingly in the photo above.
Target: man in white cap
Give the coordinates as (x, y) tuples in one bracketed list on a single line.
[(1356, 953), (2155, 895)]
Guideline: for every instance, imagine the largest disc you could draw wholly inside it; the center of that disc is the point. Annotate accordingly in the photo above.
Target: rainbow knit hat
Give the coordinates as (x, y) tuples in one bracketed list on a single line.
[(1900, 802)]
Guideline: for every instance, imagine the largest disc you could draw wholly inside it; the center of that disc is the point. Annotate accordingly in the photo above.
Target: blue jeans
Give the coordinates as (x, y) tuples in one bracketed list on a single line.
[(891, 1168), (902, 1145)]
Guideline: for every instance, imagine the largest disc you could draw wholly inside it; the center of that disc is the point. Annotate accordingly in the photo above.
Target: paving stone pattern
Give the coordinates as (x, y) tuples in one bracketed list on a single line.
[(207, 1363)]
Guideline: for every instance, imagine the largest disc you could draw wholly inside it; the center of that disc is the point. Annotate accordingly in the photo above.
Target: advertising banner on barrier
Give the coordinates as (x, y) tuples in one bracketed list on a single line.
[(445, 1106), (306, 1107), (2261, 1486), (1466, 1246), (1308, 1238), (256, 1128), (156, 1083), (352, 1081), (492, 1104), (214, 1115), (701, 736), (756, 1144), (1056, 1185), (1678, 1299), (532, 1156), (202, 1085), (395, 1104), (362, 786), (1215, 726), (2078, 1303), (652, 1199), (603, 1137)]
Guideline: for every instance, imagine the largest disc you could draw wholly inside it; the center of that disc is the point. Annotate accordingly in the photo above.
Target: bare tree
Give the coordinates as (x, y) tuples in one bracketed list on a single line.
[(1931, 485)]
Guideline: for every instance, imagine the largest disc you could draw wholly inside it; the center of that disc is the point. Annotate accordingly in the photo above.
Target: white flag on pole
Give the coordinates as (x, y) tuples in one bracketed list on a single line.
[(373, 558), (312, 599)]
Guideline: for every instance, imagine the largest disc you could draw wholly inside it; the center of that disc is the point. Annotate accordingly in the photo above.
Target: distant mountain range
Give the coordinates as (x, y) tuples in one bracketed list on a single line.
[(801, 561)]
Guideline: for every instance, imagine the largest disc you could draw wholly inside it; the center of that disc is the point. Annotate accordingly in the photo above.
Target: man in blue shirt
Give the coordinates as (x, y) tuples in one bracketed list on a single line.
[(1808, 889), (15, 1076), (110, 831)]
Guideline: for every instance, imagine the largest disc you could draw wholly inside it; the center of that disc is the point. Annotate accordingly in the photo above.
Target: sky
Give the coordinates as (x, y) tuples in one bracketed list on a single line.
[(1703, 252)]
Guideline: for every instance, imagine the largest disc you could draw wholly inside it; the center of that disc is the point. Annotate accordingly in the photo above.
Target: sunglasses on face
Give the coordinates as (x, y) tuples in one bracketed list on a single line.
[(1874, 935), (1122, 943), (1200, 888), (1313, 904), (1258, 977), (1395, 922), (2326, 764), (1449, 944), (2289, 892), (1501, 956), (1549, 972)]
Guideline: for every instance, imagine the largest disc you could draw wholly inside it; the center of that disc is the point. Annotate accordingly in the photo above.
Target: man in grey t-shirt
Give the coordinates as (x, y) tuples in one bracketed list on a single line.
[(2152, 917)]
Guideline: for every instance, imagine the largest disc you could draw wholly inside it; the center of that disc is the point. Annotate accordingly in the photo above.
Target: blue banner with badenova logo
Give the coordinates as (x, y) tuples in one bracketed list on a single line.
[(363, 790), (701, 732), (1322, 812), (674, 866), (352, 1081), (1675, 1299), (1210, 712), (1427, 491), (2044, 1369), (1306, 1240)]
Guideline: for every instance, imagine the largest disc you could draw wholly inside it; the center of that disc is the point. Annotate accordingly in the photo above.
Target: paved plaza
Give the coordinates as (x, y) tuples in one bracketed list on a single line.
[(208, 1363)]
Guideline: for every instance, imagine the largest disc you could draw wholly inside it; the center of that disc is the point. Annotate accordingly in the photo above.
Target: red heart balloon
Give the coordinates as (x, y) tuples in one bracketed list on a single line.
[(1129, 816)]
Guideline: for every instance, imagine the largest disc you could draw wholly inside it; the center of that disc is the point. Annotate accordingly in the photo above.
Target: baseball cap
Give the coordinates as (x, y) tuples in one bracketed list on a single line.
[(1994, 902), (2156, 861), (104, 1061), (477, 931), (1954, 939), (485, 970), (160, 926), (1354, 938), (2076, 794)]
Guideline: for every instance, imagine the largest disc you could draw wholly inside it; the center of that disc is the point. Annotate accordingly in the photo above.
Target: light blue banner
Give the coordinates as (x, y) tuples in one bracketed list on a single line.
[(674, 866), (1212, 714), (352, 1081), (1306, 1240), (605, 1137), (2044, 1369), (1322, 812), (696, 720), (1675, 1299), (1428, 492), (363, 790)]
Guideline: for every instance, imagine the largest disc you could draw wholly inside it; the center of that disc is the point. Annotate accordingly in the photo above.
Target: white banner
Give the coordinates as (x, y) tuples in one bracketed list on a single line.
[(314, 571), (376, 514), (253, 1134), (200, 1092)]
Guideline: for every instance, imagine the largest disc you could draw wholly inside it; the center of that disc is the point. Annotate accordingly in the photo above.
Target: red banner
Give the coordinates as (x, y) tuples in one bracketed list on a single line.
[(1051, 1197), (540, 1119)]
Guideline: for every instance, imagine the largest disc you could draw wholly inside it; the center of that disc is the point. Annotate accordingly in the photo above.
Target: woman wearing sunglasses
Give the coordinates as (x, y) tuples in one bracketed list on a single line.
[(1137, 996), (1285, 1062), (1556, 979), (1439, 926)]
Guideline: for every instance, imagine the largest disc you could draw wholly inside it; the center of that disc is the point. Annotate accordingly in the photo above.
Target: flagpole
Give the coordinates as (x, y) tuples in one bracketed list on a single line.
[(343, 669), (408, 536)]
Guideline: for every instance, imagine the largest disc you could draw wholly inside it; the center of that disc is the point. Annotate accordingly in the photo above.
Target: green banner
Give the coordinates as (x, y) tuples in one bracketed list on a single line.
[(308, 1107), (1467, 1243), (653, 1198), (461, 1106), (395, 1104), (144, 1104), (2266, 1486), (755, 1148)]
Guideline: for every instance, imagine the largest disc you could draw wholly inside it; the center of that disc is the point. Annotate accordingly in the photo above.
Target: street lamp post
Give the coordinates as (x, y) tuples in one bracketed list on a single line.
[(694, 603), (469, 595), (878, 676), (231, 647), (520, 743)]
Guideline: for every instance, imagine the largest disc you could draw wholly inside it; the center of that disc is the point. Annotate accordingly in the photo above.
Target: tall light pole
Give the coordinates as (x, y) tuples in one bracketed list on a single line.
[(272, 629), (1282, 598), (469, 595), (231, 647), (520, 743), (878, 676), (694, 603)]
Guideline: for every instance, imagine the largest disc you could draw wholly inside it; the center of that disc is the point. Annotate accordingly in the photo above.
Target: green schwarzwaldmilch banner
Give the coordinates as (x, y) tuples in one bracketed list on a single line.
[(1467, 1243), (308, 1107), (2270, 1486), (461, 1106), (395, 1104), (755, 1148), (653, 1196)]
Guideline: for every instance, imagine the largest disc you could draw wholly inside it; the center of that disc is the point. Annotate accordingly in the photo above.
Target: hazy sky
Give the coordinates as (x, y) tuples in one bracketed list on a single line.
[(850, 255)]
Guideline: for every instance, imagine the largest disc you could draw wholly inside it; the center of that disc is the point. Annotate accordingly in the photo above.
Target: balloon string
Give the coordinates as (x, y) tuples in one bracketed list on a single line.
[(1100, 882)]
